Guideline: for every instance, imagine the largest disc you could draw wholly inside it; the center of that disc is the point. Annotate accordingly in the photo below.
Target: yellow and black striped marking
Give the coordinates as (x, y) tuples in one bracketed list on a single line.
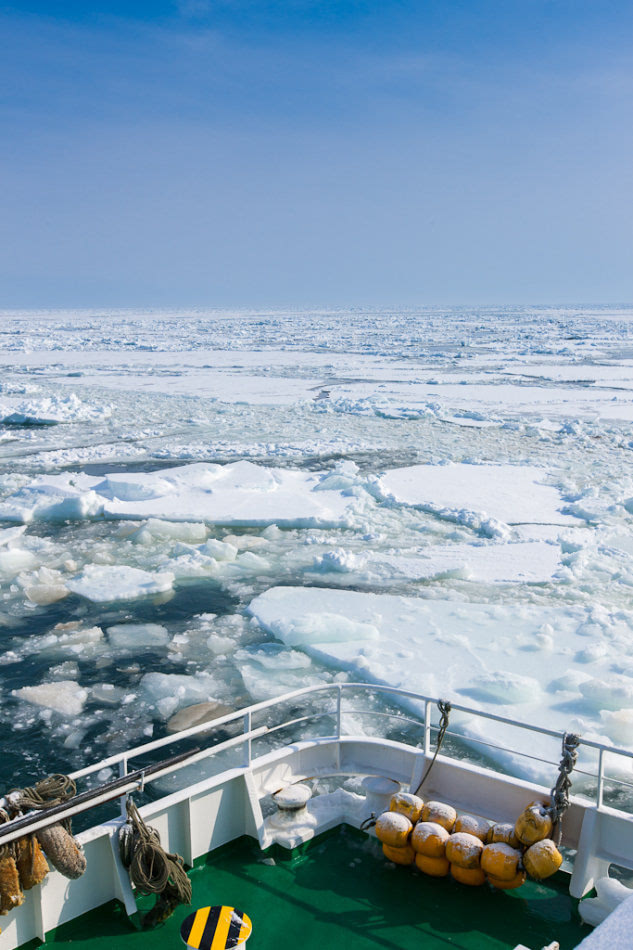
[(215, 928)]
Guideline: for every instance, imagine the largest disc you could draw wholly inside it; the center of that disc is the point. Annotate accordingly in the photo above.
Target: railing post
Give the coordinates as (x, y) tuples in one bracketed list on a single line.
[(248, 728), (600, 778), (123, 799), (427, 727), (339, 696)]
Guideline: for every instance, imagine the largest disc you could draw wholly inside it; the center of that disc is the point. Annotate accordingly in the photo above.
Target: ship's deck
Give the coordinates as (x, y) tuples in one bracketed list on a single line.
[(338, 891)]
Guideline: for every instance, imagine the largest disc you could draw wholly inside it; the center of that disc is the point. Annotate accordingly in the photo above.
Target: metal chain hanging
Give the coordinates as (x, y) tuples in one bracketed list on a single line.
[(560, 792)]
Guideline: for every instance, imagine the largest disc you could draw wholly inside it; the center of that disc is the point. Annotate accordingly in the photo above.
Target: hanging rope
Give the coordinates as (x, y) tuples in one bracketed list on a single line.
[(445, 710), (560, 792), (152, 870)]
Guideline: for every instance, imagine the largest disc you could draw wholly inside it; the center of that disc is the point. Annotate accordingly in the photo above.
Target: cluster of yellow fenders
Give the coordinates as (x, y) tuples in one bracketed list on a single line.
[(432, 836)]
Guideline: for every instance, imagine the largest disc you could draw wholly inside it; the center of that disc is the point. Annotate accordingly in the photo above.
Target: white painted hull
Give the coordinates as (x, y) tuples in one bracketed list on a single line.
[(203, 816)]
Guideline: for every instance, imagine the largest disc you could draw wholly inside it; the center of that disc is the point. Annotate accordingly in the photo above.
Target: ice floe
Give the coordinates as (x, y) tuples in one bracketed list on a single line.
[(63, 696), (106, 583), (521, 662), (511, 494), (50, 410), (235, 494)]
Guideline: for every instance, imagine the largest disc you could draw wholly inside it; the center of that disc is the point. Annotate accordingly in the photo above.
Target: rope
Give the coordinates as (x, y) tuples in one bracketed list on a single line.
[(445, 709), (560, 792), (48, 792), (51, 791), (152, 869)]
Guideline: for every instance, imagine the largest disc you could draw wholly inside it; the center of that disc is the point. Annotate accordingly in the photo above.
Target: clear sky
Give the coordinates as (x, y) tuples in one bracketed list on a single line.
[(308, 152)]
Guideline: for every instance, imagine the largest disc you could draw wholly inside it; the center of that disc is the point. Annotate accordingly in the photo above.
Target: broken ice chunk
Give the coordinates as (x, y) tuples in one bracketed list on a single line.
[(131, 636), (106, 583), (63, 696)]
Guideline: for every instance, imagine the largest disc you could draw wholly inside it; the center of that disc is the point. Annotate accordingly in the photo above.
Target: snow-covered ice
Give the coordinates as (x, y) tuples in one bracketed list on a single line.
[(481, 655), (109, 582), (240, 493), (511, 494), (212, 507)]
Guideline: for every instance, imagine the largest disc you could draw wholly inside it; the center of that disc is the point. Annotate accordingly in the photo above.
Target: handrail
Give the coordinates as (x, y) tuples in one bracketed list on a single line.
[(248, 734), (338, 689), (86, 801)]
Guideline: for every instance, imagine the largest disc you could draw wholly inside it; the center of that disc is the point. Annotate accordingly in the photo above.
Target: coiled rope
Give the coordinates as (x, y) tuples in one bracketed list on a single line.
[(152, 870), (560, 792), (445, 710), (47, 793), (51, 791)]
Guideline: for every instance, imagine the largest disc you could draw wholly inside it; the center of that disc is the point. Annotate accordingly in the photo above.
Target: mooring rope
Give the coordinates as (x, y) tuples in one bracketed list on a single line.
[(560, 792), (51, 791), (47, 793), (152, 869), (445, 710)]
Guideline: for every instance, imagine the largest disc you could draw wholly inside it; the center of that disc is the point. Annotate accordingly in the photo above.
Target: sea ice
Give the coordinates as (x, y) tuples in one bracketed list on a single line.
[(134, 636), (511, 494), (532, 562), (106, 583), (481, 655), (349, 420), (236, 494), (14, 560), (50, 410), (63, 696), (9, 535), (166, 693)]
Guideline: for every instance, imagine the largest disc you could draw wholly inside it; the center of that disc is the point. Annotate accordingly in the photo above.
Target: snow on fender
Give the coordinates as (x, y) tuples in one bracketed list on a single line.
[(407, 804), (464, 850), (500, 861), (542, 859), (393, 829), (444, 815), (429, 838)]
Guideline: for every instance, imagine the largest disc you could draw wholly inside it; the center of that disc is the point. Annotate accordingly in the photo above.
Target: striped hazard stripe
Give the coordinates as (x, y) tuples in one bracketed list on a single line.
[(215, 928)]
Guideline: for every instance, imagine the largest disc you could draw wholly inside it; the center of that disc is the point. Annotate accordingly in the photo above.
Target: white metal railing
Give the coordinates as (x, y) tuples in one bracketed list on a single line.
[(246, 715), (249, 734), (428, 703)]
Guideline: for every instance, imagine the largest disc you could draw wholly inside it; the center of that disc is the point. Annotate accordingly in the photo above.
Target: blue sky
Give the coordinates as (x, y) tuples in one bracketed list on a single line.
[(236, 153)]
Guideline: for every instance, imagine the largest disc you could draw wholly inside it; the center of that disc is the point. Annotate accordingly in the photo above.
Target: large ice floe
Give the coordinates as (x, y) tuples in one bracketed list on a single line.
[(533, 664), (240, 493), (510, 494)]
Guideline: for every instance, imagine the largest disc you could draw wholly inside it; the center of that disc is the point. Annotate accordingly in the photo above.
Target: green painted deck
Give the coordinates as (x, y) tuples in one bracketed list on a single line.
[(339, 893)]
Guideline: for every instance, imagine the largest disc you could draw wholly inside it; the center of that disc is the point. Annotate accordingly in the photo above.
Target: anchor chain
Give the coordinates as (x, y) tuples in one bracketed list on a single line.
[(560, 792)]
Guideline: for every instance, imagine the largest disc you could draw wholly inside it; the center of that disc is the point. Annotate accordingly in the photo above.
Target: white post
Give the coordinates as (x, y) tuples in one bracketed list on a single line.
[(123, 799), (247, 729), (600, 778), (427, 727)]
